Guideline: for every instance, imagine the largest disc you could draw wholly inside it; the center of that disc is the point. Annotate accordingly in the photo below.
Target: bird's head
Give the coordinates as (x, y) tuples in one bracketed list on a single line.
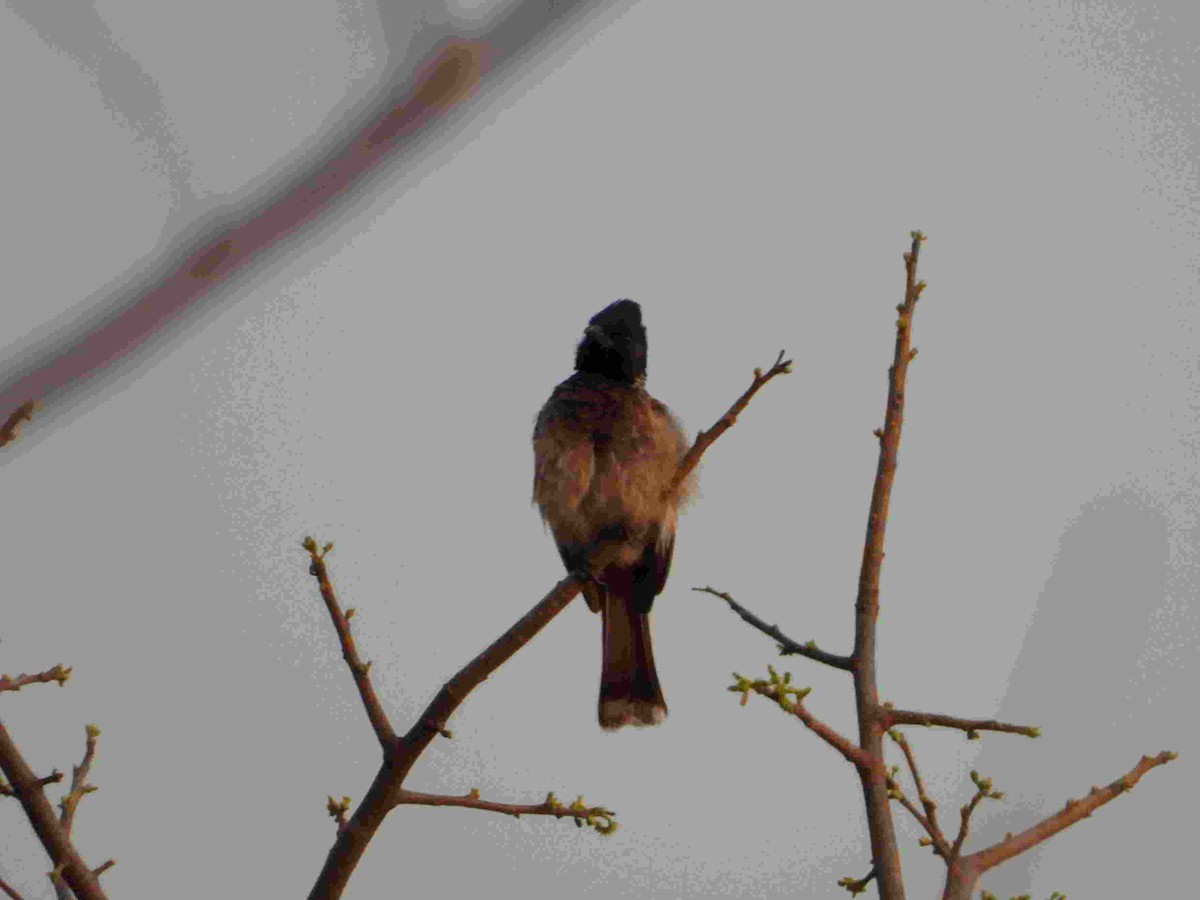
[(614, 344)]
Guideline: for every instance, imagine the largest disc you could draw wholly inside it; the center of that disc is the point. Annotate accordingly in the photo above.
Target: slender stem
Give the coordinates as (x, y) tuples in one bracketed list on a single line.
[(885, 855), (361, 671), (892, 717), (787, 646)]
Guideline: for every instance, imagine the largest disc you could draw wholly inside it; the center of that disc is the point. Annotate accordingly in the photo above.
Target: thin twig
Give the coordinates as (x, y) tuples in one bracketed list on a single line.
[(791, 699), (892, 717), (10, 891), (361, 671), (935, 838), (596, 817), (929, 820), (704, 439), (54, 777), (15, 682), (983, 790), (79, 786), (787, 646)]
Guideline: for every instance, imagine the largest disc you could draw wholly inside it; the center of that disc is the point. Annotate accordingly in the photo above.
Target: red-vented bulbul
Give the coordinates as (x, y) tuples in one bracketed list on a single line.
[(604, 452)]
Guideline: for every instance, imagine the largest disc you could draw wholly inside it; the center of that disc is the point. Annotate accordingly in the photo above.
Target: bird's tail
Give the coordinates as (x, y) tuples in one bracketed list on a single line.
[(629, 689)]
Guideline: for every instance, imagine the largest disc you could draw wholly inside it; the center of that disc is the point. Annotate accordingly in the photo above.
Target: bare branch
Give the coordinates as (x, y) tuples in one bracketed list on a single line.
[(16, 682), (54, 777), (791, 699), (400, 755), (361, 671), (11, 429), (28, 789), (787, 646), (79, 786), (866, 691), (385, 790), (892, 717), (597, 817), (1072, 812), (895, 792), (983, 791), (704, 439), (928, 820), (70, 803)]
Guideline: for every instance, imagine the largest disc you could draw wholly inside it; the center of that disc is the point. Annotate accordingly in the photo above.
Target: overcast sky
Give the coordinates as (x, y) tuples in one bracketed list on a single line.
[(749, 173)]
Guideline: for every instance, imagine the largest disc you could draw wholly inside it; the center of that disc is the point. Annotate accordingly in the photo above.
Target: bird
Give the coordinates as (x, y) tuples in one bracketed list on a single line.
[(605, 458)]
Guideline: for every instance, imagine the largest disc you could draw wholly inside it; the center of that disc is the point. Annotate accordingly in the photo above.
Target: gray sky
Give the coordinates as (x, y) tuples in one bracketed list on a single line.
[(749, 173)]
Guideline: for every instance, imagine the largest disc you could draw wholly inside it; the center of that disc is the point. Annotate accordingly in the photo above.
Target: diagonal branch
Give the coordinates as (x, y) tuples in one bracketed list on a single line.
[(791, 699), (361, 671), (46, 825), (891, 717), (705, 439), (1074, 810), (402, 754), (928, 819), (596, 817), (787, 646), (385, 791), (9, 891)]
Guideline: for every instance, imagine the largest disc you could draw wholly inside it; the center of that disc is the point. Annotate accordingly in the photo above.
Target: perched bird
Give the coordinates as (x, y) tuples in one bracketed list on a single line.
[(605, 452)]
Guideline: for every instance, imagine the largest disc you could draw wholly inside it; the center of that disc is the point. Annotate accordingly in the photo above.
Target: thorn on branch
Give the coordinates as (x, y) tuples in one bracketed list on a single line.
[(103, 867)]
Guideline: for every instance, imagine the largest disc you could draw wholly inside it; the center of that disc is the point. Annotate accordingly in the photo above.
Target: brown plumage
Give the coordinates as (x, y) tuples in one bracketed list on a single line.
[(604, 452)]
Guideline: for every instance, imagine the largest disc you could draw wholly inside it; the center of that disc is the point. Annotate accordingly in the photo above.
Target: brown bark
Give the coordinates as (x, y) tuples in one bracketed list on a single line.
[(884, 856), (28, 790)]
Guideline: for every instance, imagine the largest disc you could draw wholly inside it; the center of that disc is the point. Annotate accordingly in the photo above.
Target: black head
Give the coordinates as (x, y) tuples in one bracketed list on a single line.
[(614, 344)]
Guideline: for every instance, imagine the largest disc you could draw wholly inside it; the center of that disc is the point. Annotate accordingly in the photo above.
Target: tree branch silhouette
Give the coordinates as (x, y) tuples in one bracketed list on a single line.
[(51, 831), (596, 817), (401, 753), (875, 719), (787, 646)]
